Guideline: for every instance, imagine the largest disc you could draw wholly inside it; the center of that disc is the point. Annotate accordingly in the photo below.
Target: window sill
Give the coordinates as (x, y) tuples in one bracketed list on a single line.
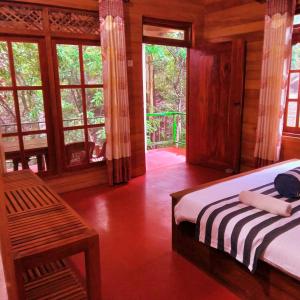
[(291, 135)]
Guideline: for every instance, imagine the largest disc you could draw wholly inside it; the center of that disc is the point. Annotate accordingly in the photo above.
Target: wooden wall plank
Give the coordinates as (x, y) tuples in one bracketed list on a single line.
[(290, 147), (243, 19), (213, 5), (78, 180)]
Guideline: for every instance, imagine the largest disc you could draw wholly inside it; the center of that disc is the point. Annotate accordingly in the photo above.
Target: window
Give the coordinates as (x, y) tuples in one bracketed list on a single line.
[(163, 32), (167, 32), (22, 106), (51, 92), (79, 79), (292, 116)]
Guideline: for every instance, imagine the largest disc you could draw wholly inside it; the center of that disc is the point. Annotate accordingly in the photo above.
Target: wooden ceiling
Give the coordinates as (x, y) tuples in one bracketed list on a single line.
[(94, 4)]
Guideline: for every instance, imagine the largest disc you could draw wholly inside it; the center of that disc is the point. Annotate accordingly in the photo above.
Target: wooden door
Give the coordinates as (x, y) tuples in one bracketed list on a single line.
[(216, 84)]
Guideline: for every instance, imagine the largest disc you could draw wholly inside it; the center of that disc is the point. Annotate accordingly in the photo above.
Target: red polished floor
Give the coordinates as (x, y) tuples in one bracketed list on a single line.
[(165, 157), (134, 223)]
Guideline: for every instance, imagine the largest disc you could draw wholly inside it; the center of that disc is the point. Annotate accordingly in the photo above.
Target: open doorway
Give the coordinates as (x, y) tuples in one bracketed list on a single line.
[(165, 52), (165, 76)]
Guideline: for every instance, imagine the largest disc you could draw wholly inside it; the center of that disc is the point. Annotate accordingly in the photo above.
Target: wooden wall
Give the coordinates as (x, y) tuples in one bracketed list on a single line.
[(245, 19), (188, 10), (214, 20), (226, 20)]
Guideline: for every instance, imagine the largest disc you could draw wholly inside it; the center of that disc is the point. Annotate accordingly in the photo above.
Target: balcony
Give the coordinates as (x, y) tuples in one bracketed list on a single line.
[(166, 129), (34, 139)]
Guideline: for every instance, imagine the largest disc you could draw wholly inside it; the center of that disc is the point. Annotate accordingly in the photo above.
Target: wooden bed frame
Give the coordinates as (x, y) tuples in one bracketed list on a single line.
[(266, 283)]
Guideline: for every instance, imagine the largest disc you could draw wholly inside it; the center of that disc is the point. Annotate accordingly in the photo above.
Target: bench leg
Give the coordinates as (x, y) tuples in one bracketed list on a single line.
[(26, 163), (19, 281), (16, 164), (46, 160), (92, 264), (40, 162)]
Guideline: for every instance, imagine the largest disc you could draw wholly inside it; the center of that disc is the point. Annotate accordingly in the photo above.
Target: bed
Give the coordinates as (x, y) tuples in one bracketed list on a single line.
[(277, 274)]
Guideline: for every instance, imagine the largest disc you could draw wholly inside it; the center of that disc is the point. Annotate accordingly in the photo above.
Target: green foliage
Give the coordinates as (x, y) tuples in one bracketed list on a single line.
[(69, 73), (31, 102), (27, 70), (295, 64), (169, 77), (98, 99), (72, 136), (27, 64), (69, 65), (5, 79), (169, 67), (152, 125), (92, 64)]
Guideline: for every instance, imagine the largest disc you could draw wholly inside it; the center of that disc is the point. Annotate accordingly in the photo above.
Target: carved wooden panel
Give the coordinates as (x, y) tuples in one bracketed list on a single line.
[(73, 21), (21, 17)]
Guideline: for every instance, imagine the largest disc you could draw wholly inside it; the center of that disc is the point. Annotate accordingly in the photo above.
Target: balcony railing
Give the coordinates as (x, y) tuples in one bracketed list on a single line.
[(163, 129), (41, 125), (166, 129)]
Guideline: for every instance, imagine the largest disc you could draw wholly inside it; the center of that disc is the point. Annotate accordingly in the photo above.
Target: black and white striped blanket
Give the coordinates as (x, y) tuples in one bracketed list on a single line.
[(244, 231)]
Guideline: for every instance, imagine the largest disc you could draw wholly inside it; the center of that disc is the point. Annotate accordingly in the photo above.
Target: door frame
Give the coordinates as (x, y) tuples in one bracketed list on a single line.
[(186, 43)]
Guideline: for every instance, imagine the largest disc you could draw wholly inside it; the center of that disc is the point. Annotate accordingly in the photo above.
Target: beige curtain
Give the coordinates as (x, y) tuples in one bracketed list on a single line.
[(115, 83), (275, 70)]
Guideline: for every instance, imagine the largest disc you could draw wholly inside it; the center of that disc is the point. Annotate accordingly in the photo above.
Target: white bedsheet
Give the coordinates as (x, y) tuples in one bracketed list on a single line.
[(284, 251)]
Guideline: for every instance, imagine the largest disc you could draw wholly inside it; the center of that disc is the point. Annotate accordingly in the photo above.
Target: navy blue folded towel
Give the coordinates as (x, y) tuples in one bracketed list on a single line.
[(288, 184)]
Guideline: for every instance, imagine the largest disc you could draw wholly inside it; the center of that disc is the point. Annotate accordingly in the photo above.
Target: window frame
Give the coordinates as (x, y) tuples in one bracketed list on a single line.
[(48, 25), (182, 26), (14, 88), (287, 130), (82, 86)]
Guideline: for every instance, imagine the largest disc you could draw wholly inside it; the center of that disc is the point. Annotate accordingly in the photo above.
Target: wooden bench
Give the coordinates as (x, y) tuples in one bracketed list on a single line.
[(38, 231)]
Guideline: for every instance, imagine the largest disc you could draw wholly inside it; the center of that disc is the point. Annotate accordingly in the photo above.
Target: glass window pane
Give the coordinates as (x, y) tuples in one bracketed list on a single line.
[(92, 64), (36, 151), (35, 141), (97, 137), (8, 121), (27, 64), (71, 103), (163, 32), (74, 136), (295, 64), (68, 63), (95, 106), (32, 113), (292, 114), (11, 149), (294, 86), (296, 19), (5, 77), (75, 147)]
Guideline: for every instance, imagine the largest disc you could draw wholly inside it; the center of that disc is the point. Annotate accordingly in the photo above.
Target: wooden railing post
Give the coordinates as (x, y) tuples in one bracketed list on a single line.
[(174, 129)]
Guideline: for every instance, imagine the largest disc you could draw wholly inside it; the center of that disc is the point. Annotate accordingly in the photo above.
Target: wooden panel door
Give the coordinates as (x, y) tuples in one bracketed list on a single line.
[(216, 84)]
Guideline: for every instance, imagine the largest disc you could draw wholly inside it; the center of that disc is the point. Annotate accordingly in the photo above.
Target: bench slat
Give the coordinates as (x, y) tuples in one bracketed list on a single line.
[(42, 226)]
